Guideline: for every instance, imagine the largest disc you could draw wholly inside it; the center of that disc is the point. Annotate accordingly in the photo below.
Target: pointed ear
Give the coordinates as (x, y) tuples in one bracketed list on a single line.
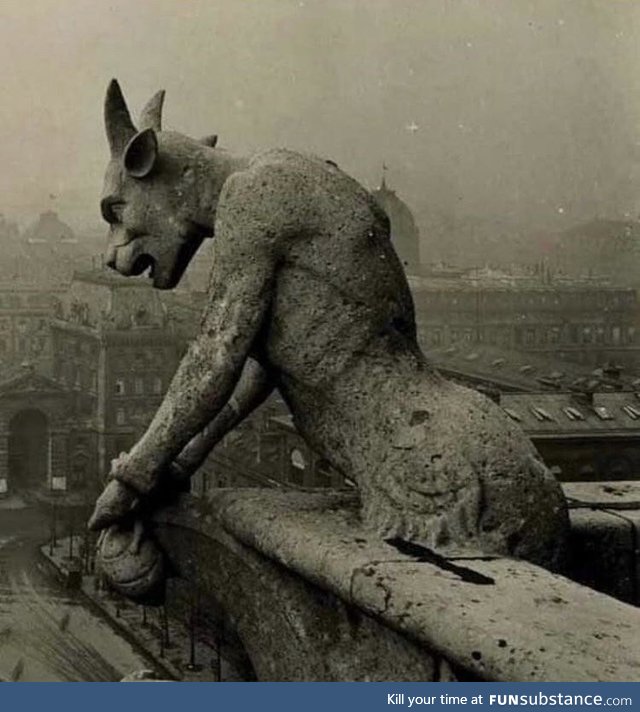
[(117, 119), (210, 141), (141, 153), (151, 116)]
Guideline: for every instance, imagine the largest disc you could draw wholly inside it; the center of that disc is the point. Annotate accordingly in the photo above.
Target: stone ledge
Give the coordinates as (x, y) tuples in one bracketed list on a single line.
[(516, 622), (605, 536)]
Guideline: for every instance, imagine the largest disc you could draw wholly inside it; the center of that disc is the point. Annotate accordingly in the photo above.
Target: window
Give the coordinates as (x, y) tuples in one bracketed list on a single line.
[(79, 470), (632, 411), (297, 466), (603, 413), (157, 385), (615, 334), (119, 388), (573, 413), (138, 386), (120, 416), (540, 413), (514, 415)]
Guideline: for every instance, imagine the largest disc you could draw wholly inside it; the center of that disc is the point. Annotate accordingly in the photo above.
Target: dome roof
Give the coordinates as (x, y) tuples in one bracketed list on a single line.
[(405, 235)]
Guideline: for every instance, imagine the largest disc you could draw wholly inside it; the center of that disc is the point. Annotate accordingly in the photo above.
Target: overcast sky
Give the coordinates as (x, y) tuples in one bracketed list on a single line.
[(529, 110)]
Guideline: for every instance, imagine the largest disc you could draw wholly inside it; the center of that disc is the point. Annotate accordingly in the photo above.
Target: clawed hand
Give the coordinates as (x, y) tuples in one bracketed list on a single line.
[(117, 500)]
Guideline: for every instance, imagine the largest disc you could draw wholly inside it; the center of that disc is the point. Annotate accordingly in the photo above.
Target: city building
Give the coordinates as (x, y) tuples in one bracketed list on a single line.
[(581, 436), (405, 235), (25, 335), (583, 320), (110, 350)]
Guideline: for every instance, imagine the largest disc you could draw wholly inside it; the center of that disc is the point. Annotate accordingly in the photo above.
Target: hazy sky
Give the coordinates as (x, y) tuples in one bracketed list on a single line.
[(527, 110)]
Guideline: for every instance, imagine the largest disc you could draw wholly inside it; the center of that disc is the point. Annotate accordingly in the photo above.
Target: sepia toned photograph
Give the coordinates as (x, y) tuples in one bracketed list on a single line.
[(320, 341)]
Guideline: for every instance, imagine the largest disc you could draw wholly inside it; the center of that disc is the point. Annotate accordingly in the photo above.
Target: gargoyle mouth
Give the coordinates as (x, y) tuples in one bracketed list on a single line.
[(143, 263)]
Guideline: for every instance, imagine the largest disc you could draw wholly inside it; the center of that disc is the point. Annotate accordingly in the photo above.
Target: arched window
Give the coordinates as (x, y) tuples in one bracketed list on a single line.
[(297, 466), (79, 470)]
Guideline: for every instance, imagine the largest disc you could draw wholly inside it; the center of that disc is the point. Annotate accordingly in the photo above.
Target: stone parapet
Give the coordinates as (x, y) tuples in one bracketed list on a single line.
[(605, 536), (309, 594)]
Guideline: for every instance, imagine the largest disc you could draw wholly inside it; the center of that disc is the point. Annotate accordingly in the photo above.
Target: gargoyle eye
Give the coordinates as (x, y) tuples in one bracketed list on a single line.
[(112, 210)]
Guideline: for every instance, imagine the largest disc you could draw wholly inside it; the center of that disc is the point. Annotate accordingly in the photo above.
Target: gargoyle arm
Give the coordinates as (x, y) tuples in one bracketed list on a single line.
[(252, 390)]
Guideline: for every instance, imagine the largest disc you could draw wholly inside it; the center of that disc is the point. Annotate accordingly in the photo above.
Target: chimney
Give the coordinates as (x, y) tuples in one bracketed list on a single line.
[(612, 371), (584, 397)]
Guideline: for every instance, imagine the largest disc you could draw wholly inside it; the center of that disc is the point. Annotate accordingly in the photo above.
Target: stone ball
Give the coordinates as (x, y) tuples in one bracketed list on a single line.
[(131, 561)]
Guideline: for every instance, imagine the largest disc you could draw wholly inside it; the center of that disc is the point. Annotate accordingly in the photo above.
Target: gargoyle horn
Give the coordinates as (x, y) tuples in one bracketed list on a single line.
[(117, 120), (151, 116)]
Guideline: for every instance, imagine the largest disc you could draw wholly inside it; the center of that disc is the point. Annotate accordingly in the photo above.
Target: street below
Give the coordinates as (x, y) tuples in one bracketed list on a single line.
[(49, 634)]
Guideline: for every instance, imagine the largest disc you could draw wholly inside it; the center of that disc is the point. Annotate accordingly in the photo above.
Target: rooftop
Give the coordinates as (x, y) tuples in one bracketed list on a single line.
[(518, 371), (520, 277), (570, 414)]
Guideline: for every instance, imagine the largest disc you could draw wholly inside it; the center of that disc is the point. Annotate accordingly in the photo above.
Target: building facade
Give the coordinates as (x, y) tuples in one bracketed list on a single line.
[(111, 349), (581, 320)]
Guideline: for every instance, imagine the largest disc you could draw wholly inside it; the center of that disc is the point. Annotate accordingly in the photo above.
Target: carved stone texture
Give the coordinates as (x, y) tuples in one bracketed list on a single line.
[(306, 283)]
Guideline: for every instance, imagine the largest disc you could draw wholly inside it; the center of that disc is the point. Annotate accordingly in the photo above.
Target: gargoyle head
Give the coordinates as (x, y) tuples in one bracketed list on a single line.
[(160, 192)]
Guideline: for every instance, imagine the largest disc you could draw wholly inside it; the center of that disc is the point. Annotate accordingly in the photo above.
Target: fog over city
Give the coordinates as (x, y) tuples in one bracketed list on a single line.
[(524, 113)]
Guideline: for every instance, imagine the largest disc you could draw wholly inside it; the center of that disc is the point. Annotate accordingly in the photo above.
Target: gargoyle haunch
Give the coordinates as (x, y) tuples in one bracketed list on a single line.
[(307, 296)]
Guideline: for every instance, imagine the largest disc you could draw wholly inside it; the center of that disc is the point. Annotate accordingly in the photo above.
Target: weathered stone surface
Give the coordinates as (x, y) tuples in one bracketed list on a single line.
[(274, 625), (603, 495), (605, 531), (489, 618), (305, 282)]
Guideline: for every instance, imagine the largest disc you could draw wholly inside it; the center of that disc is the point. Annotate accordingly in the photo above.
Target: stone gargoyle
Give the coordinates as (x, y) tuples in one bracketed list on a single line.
[(307, 296)]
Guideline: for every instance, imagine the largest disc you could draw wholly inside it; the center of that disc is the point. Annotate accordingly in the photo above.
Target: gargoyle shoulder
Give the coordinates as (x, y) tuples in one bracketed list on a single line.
[(269, 196)]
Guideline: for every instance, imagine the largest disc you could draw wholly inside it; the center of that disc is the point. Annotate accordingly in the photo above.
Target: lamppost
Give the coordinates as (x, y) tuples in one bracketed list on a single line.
[(58, 484), (70, 557)]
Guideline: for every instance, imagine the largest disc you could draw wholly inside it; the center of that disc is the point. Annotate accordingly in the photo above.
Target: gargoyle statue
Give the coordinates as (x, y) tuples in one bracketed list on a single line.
[(307, 296)]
